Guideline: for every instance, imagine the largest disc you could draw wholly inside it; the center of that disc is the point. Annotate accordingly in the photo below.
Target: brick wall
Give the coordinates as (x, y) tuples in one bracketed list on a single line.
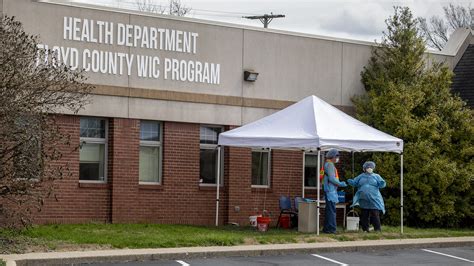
[(179, 199), (241, 202), (286, 174), (75, 202), (123, 152)]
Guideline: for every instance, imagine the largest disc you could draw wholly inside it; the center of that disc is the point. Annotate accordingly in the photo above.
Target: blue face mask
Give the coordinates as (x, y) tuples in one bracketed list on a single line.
[(369, 170)]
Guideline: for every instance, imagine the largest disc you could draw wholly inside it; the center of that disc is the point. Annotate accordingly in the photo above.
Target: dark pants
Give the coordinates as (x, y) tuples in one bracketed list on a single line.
[(330, 217), (372, 216)]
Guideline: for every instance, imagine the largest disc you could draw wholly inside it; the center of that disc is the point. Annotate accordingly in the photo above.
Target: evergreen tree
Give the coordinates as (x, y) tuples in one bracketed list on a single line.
[(411, 99)]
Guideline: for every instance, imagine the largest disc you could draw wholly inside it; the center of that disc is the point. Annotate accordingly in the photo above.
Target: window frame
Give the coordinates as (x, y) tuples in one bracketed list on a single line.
[(208, 146), (269, 168), (104, 141), (152, 143)]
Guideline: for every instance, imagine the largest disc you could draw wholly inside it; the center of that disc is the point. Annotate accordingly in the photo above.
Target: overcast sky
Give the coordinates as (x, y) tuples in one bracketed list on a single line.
[(353, 19)]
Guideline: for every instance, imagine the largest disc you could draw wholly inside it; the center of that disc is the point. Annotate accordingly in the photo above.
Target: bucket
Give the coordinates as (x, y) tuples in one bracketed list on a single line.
[(285, 222), (263, 223), (253, 220), (352, 221)]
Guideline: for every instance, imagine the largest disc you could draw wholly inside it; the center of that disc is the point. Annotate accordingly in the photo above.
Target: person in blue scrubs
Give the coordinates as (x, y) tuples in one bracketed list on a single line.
[(368, 196), (330, 184)]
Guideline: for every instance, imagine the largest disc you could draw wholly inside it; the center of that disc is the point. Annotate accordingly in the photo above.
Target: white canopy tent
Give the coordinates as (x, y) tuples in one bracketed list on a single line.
[(312, 124)]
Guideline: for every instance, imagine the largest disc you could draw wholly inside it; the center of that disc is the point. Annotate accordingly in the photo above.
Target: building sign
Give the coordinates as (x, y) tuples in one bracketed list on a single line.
[(134, 36)]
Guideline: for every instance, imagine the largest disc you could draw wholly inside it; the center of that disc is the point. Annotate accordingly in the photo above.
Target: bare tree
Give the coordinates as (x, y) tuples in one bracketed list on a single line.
[(31, 142), (175, 7), (437, 31), (150, 6)]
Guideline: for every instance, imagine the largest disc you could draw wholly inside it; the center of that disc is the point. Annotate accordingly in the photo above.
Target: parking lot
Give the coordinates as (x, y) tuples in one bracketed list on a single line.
[(430, 256)]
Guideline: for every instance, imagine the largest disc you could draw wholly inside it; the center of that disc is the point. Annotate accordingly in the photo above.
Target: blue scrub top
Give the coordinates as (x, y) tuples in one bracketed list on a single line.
[(368, 191), (330, 182)]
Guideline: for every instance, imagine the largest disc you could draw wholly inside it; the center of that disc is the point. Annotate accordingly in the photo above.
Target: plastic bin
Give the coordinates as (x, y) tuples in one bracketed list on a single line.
[(253, 220), (285, 222), (263, 223), (341, 196)]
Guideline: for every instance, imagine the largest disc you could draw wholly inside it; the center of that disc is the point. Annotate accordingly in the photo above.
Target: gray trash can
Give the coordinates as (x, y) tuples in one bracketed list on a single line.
[(307, 217)]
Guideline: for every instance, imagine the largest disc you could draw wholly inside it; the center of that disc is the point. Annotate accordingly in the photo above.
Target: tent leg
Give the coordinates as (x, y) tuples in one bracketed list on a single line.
[(353, 173), (218, 182), (318, 192), (353, 176), (302, 186), (401, 193)]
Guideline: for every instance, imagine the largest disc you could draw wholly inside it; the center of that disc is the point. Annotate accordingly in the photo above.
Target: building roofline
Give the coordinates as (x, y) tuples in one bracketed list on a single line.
[(223, 24), (203, 21)]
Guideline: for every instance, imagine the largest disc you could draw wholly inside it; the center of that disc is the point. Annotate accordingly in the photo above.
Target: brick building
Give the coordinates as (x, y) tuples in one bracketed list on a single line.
[(165, 87)]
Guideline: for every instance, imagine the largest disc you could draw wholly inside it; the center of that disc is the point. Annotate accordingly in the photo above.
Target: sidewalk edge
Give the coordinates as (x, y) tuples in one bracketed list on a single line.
[(210, 253)]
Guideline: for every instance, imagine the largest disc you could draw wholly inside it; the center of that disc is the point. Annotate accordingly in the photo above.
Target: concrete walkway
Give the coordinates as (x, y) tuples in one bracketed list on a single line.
[(121, 255)]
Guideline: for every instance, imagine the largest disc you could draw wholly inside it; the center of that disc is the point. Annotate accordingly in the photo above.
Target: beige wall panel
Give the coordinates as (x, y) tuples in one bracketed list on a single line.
[(184, 112), (215, 44), (250, 114), (355, 57), (46, 20), (431, 58), (291, 67), (105, 106)]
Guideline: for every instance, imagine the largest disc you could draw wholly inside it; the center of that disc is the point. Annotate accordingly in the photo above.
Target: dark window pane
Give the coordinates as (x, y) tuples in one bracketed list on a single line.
[(92, 162), (150, 130), (92, 128), (89, 171), (209, 135), (310, 176), (208, 166), (83, 125), (310, 170), (260, 168)]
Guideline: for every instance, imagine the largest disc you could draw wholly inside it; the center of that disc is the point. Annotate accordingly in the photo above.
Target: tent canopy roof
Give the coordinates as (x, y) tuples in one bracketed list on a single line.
[(308, 125)]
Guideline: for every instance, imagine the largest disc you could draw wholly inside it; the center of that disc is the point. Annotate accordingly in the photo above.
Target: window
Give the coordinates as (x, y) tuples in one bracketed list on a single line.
[(93, 149), (27, 157), (150, 152), (310, 170), (261, 168), (208, 155)]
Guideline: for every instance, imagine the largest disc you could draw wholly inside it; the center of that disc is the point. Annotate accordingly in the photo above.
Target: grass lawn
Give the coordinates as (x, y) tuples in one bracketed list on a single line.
[(105, 236)]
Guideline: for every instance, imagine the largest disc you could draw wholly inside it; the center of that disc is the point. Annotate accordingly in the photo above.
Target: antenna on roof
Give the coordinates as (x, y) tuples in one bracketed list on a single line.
[(265, 19)]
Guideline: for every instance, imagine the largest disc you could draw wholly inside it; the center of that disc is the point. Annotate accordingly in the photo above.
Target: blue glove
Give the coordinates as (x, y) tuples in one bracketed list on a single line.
[(343, 184)]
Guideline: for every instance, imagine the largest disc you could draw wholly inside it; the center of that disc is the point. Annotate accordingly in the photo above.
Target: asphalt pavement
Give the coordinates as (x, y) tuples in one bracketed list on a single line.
[(415, 256), (426, 251)]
